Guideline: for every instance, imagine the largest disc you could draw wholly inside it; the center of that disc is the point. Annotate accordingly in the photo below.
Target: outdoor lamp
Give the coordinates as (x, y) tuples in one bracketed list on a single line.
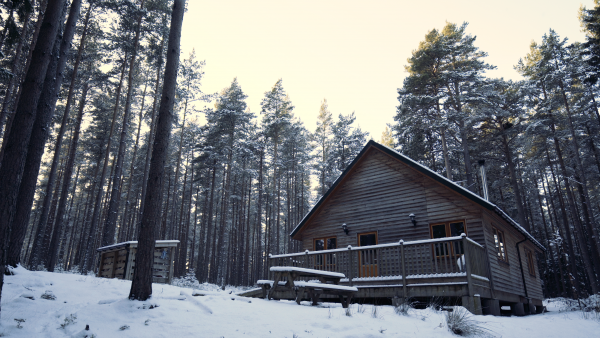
[(412, 219), (345, 228)]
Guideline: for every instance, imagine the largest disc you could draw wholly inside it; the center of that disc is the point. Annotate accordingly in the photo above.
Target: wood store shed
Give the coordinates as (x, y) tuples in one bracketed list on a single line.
[(118, 260)]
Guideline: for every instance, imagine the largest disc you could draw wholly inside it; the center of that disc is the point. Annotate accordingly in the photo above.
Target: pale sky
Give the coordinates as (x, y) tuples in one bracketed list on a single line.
[(353, 53)]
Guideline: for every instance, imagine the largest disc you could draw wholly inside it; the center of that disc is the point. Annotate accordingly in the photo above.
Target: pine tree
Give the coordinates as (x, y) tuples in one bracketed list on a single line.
[(387, 138), (590, 22), (141, 285), (322, 139), (13, 161)]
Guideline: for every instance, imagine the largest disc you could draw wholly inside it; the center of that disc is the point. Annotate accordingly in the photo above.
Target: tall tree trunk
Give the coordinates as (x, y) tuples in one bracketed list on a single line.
[(15, 152), (259, 251), (141, 285), (182, 245), (97, 204), (53, 250), (195, 228), (570, 246), (513, 180), (15, 63), (41, 130), (110, 226), (123, 229), (152, 129), (558, 253), (588, 264)]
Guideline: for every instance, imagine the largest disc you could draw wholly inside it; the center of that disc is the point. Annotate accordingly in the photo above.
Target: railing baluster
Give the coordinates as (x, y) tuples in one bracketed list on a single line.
[(446, 254), (416, 259), (435, 258), (423, 267), (402, 260)]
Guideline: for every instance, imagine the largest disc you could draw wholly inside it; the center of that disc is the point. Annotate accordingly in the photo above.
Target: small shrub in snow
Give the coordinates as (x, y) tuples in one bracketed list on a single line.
[(348, 311), (375, 312), (48, 295), (361, 308), (460, 322), (147, 322), (124, 327), (19, 322), (403, 306), (436, 303), (70, 319)]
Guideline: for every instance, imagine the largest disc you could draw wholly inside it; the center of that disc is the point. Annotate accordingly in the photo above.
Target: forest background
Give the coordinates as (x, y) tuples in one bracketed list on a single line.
[(239, 179)]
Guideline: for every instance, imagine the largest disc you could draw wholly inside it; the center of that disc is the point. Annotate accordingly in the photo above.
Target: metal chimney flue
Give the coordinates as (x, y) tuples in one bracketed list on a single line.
[(484, 180)]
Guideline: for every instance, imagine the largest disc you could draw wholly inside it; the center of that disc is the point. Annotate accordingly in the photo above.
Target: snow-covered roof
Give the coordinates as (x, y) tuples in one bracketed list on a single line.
[(423, 169), (160, 242)]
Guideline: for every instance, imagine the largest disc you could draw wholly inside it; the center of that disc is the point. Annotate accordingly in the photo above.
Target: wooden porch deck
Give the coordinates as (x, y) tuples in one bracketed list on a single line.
[(446, 267)]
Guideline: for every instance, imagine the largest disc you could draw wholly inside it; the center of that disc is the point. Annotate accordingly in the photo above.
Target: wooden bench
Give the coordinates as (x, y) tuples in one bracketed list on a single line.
[(314, 290), (329, 280), (266, 285)]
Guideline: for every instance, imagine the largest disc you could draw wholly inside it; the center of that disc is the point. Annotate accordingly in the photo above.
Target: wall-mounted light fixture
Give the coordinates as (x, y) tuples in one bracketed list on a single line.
[(412, 219), (345, 228)]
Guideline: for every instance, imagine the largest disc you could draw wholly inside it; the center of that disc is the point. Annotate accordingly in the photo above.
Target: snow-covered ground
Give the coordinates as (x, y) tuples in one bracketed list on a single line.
[(174, 312)]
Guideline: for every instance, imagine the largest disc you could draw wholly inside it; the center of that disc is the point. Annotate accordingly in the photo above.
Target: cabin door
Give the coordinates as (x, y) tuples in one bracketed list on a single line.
[(367, 259)]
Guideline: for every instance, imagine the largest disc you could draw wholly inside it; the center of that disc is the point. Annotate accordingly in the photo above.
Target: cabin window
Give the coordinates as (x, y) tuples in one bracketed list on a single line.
[(530, 263), (448, 229), (325, 243), (325, 261), (500, 245)]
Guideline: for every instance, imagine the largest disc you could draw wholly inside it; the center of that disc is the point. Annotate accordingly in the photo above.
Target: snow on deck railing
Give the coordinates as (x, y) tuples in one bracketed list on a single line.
[(370, 247)]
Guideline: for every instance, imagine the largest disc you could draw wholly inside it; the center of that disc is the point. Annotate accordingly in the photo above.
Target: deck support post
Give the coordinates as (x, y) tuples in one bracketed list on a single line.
[(306, 259), (171, 259), (490, 307), (473, 304), (350, 265), (518, 309), (466, 253), (404, 287)]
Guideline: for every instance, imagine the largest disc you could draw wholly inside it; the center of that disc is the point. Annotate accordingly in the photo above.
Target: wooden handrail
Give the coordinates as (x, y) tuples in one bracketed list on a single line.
[(443, 257), (369, 247)]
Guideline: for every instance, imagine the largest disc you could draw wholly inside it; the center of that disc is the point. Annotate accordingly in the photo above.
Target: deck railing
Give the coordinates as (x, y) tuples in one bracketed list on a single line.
[(457, 256)]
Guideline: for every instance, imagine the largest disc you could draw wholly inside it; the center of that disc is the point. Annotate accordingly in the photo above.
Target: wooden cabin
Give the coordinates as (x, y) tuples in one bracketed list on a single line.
[(394, 227), (118, 260)]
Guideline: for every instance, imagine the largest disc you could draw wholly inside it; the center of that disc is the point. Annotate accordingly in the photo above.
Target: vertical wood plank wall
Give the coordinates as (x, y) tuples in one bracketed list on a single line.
[(379, 195), (507, 277)]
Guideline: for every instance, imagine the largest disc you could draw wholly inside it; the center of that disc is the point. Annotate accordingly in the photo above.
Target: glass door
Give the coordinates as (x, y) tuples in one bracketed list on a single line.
[(367, 259)]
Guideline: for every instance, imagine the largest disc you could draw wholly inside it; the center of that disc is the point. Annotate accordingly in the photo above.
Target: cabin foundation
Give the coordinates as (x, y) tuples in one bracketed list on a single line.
[(490, 306), (518, 309), (473, 304)]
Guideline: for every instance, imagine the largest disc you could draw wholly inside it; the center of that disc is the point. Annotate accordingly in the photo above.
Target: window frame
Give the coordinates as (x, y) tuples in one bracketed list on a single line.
[(324, 242), (530, 263), (454, 250), (502, 256), (447, 227), (367, 233)]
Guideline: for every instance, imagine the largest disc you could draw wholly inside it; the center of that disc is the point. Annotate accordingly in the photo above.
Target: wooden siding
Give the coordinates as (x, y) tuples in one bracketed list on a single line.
[(378, 195), (507, 277)]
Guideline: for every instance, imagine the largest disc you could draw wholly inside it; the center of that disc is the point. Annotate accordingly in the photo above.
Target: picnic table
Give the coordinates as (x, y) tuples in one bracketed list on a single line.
[(285, 278)]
